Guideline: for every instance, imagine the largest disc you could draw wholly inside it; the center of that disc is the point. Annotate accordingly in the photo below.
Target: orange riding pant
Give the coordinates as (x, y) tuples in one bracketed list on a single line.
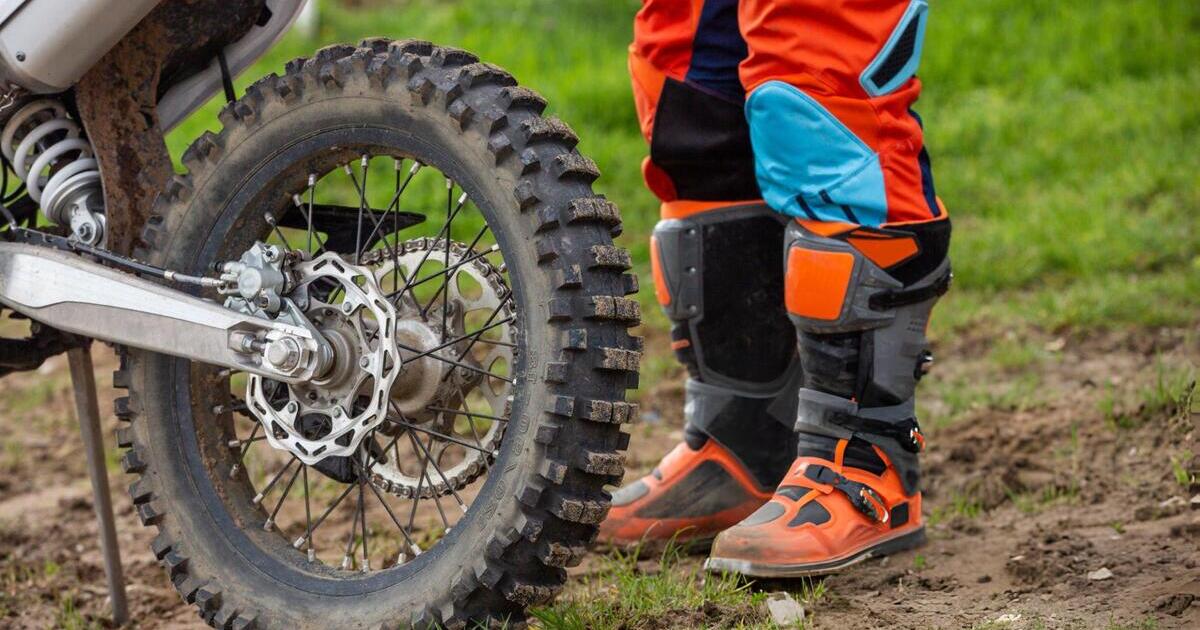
[(805, 104)]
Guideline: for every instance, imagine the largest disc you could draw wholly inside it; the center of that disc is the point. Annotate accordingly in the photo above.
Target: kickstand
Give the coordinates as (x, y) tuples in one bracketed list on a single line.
[(88, 410)]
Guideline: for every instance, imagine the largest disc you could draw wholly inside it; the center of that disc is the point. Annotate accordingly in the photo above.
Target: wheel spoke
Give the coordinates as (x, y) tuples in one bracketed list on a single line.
[(308, 536), (475, 333), (407, 538), (351, 543), (470, 419), (448, 278), (440, 436), (312, 192), (312, 554), (393, 206), (425, 474), (362, 512), (271, 221), (487, 325), (462, 200), (258, 498), (233, 470), (240, 443), (458, 364), (467, 413), (270, 524), (452, 268), (448, 271), (433, 460), (412, 515)]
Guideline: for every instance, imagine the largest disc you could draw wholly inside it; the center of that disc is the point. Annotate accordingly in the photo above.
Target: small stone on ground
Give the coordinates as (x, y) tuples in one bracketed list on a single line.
[(784, 610), (1100, 574)]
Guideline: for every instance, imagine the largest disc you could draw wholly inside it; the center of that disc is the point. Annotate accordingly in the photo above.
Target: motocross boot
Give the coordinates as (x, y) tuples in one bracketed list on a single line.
[(860, 299), (718, 276)]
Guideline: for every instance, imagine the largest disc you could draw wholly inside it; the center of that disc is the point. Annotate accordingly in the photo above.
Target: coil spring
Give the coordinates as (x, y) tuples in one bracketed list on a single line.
[(49, 155)]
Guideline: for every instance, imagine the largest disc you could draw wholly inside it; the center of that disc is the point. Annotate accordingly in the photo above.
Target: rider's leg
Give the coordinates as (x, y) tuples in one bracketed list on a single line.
[(838, 147), (718, 272)]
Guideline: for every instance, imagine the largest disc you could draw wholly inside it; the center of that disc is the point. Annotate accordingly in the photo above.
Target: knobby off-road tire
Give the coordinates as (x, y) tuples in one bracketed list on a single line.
[(542, 504)]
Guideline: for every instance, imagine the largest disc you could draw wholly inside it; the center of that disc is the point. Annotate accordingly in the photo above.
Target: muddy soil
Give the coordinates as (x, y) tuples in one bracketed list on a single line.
[(1057, 463), (1063, 463)]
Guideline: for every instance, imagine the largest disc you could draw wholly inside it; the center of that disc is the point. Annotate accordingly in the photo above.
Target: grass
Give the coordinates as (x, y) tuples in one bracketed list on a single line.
[(1050, 496), (959, 506), (1171, 394), (625, 593), (69, 616), (1181, 474), (1147, 623)]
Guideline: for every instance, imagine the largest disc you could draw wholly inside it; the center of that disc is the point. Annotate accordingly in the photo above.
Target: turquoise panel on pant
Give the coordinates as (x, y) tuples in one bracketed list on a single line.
[(808, 163)]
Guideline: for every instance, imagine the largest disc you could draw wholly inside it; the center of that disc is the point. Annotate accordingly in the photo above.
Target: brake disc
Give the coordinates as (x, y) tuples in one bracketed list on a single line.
[(330, 416), (436, 395)]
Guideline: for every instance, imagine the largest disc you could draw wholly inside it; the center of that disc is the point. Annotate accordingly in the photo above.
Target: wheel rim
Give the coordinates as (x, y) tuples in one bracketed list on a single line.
[(339, 528)]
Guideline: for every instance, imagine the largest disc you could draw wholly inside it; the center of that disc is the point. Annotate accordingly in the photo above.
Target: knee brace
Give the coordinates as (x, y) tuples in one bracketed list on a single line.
[(719, 278), (860, 299)]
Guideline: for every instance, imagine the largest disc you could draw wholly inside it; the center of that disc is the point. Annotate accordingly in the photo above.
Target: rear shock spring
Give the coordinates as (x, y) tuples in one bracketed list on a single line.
[(47, 150)]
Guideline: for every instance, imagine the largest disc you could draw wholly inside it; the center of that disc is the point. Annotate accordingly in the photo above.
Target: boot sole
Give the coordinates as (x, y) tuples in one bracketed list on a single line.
[(902, 542)]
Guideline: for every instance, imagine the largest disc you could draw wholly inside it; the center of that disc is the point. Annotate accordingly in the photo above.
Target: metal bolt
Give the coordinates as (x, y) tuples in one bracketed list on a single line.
[(364, 363), (20, 55), (347, 308), (283, 354)]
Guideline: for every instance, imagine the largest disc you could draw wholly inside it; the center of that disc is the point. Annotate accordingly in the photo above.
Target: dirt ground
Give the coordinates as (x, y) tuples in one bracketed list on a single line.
[(1055, 458)]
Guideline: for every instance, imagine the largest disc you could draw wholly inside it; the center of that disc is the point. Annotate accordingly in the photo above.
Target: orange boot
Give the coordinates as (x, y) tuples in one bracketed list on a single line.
[(690, 496), (825, 516)]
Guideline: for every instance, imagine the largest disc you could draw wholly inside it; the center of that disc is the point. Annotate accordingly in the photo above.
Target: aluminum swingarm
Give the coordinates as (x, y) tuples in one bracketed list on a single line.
[(68, 292)]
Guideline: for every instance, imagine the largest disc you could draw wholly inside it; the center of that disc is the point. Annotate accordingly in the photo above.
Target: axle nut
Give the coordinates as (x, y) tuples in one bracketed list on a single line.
[(283, 354)]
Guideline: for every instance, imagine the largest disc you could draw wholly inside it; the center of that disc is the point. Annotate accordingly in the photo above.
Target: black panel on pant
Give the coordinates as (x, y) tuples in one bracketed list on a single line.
[(933, 237), (702, 141), (900, 54)]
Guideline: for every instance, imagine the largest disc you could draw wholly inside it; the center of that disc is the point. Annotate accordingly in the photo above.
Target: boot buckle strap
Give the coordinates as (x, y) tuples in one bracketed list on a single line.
[(861, 496), (907, 433)]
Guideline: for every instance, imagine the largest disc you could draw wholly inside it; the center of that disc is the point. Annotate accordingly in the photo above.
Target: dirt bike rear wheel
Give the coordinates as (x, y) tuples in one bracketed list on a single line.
[(535, 506)]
